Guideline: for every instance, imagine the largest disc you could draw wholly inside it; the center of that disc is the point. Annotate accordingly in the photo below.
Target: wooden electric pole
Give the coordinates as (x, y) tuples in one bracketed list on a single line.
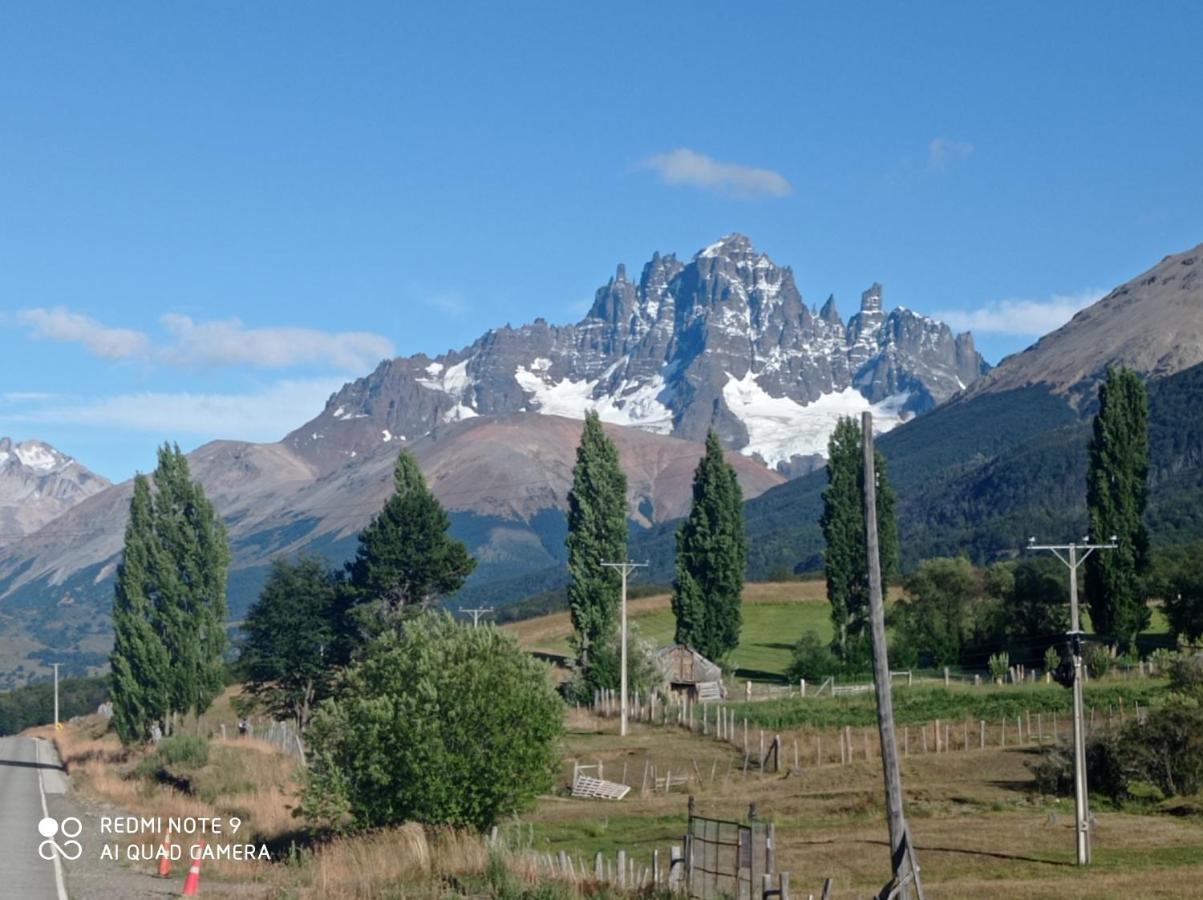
[(903, 861), (626, 568), (1081, 798)]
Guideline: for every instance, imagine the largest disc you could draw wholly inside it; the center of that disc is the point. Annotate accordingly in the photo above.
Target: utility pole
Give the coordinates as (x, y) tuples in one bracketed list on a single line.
[(477, 613), (902, 855), (57, 727), (626, 568), (1081, 800)]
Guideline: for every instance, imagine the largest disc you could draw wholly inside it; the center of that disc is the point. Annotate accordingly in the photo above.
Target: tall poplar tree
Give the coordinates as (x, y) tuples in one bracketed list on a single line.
[(845, 559), (712, 555), (169, 603), (1116, 493), (191, 561), (597, 533), (139, 662), (406, 561)]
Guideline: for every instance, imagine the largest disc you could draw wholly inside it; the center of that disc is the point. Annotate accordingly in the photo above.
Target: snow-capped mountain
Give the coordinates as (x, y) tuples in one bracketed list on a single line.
[(37, 484), (722, 341)]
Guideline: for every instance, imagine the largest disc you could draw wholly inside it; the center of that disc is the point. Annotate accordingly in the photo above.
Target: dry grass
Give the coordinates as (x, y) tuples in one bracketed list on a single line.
[(980, 828)]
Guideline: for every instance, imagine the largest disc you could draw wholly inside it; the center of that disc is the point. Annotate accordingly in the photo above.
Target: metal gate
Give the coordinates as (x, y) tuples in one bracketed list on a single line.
[(726, 859)]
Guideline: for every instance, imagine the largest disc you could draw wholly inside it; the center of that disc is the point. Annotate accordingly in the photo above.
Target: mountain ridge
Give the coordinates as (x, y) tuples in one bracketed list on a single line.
[(723, 341)]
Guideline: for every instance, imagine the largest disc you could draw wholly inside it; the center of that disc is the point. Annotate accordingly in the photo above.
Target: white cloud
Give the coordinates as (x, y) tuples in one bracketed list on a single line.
[(688, 167), (943, 152), (448, 304), (264, 415), (213, 344), (59, 324), (229, 343), (1032, 318)]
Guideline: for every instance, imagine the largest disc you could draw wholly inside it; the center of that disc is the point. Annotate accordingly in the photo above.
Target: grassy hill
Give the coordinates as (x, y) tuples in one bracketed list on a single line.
[(775, 614)]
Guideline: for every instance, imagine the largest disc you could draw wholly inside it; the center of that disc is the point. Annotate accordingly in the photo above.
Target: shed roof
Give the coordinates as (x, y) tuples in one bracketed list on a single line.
[(682, 664)]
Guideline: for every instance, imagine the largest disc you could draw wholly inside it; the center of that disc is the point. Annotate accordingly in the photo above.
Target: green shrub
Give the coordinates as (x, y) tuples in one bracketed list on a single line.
[(1162, 755), (1186, 675), (1097, 659), (183, 751), (1052, 659), (1109, 768), (999, 665), (812, 659), (440, 724)]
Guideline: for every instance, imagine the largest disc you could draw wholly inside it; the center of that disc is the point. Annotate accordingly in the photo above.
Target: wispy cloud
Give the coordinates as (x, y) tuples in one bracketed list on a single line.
[(688, 167), (265, 414), (1025, 317), (229, 343), (211, 344), (943, 152), (446, 303), (60, 324)]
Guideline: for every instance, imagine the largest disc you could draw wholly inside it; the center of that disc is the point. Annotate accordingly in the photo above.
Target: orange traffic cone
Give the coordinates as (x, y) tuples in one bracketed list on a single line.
[(165, 857), (192, 882)]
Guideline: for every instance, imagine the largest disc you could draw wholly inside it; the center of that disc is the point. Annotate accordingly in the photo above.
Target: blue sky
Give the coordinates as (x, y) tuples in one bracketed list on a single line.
[(211, 215)]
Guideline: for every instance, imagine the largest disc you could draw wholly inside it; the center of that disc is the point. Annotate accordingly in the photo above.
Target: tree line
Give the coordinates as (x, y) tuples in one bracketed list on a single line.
[(952, 612)]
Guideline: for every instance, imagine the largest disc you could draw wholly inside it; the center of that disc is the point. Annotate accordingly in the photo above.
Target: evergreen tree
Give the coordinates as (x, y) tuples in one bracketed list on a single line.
[(597, 533), (712, 555), (191, 560), (139, 661), (169, 603), (1116, 492), (292, 638), (406, 561), (845, 557)]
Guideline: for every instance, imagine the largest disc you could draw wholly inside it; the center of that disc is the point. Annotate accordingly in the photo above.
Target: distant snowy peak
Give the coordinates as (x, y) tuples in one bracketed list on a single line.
[(723, 341), (33, 455), (37, 484)]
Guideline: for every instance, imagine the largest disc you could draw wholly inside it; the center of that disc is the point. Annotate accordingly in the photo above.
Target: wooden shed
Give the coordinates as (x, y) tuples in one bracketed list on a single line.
[(688, 672)]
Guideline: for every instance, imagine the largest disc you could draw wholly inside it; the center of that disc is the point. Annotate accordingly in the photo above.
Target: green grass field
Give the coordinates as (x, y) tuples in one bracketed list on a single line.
[(774, 617)]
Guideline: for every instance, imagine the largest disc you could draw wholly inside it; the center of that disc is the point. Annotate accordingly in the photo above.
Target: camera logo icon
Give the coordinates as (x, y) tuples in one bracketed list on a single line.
[(70, 828)]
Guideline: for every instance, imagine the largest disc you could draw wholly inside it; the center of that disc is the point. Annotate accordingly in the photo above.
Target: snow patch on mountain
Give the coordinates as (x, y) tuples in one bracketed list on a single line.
[(632, 403), (37, 456), (780, 428)]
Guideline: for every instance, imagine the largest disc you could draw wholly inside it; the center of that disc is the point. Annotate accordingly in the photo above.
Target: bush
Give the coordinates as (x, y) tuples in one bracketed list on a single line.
[(441, 724), (1165, 751), (1109, 768), (999, 665), (812, 659), (184, 751), (1186, 675), (1097, 660), (1052, 659)]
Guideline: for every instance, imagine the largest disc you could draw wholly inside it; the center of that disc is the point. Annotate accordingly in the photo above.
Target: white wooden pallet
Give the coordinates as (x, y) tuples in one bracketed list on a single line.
[(597, 789)]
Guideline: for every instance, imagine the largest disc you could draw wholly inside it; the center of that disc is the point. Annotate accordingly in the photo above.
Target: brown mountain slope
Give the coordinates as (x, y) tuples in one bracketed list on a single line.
[(1153, 324), (273, 501)]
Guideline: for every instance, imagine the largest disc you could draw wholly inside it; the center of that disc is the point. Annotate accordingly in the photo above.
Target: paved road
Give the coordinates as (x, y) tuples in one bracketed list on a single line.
[(27, 768)]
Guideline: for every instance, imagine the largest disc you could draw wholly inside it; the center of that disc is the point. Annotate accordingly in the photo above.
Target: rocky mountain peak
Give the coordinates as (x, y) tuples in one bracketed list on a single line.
[(723, 341), (870, 300), (38, 483)]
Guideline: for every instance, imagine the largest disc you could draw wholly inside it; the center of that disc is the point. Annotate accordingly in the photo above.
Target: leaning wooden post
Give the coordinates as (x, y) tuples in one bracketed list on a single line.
[(902, 860)]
